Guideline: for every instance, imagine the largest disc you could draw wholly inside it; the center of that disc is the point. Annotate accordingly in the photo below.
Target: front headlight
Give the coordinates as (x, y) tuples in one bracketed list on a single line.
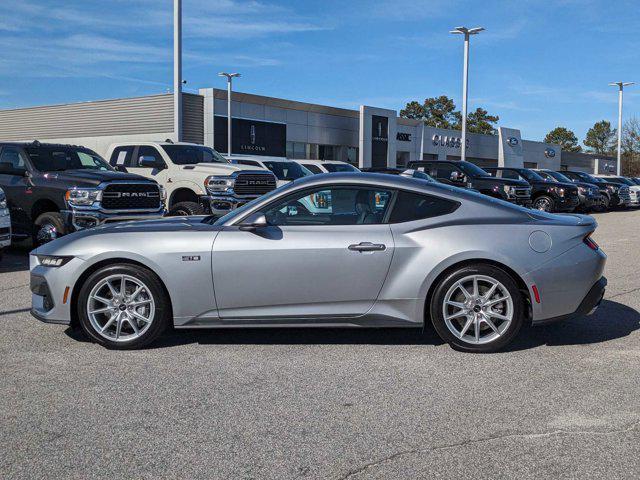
[(507, 189), (163, 193), (82, 197), (53, 261), (612, 188), (215, 184), (582, 190), (560, 192)]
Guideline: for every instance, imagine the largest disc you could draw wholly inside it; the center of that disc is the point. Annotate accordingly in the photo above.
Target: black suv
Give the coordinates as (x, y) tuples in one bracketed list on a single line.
[(545, 195), (468, 175), (57, 189), (613, 194)]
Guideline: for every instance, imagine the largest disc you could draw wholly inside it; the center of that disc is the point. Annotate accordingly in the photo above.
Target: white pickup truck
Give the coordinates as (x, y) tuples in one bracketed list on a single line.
[(198, 179)]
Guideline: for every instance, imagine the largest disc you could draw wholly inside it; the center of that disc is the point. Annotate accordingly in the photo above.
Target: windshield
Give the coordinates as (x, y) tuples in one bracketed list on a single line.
[(530, 175), (339, 167), (59, 159), (558, 176), (472, 170), (624, 181), (287, 170), (192, 154)]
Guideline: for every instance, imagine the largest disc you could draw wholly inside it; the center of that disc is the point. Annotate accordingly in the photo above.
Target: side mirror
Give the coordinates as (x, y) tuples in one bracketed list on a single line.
[(150, 162), (120, 168), (253, 222)]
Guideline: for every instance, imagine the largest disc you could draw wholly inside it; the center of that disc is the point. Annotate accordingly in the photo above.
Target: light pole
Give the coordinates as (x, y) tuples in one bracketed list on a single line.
[(230, 77), (620, 86), (467, 32)]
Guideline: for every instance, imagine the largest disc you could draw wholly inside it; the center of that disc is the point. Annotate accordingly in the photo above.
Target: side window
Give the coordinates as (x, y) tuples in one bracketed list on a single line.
[(413, 206), (12, 159), (147, 151), (444, 170), (331, 206), (313, 168), (122, 156), (511, 175)]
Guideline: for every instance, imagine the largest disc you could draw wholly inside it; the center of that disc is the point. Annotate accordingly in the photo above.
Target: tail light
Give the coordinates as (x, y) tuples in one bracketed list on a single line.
[(590, 242)]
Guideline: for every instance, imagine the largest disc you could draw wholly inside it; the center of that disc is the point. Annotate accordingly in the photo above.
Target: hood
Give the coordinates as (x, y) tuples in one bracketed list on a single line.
[(585, 185), (167, 224), (506, 181), (549, 183), (86, 177), (213, 168)]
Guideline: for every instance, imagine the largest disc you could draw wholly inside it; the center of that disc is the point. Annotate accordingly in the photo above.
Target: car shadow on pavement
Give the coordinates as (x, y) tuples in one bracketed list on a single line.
[(16, 259), (611, 321)]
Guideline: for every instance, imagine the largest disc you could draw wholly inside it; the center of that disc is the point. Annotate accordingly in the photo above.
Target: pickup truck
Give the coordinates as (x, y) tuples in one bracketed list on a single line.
[(198, 179), (52, 190), (468, 175)]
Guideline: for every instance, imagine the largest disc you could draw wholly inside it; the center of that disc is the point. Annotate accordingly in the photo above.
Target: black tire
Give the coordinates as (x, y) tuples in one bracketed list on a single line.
[(184, 209), (47, 227), (544, 203), (606, 203), (510, 330), (159, 321)]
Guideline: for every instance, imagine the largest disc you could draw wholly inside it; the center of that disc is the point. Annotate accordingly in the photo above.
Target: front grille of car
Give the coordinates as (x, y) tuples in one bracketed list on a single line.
[(623, 193), (255, 184), (131, 196), (522, 192)]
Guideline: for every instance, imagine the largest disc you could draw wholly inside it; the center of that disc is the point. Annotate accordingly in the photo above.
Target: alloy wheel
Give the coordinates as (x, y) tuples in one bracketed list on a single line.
[(478, 309), (47, 232), (542, 204), (120, 308)]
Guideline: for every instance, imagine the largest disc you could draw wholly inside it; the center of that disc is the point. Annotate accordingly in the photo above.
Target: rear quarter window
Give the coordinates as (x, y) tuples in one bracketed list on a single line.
[(411, 206)]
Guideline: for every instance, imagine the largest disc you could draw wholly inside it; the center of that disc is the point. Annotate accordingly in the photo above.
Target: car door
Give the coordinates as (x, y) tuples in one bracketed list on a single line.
[(17, 187), (159, 174), (325, 253)]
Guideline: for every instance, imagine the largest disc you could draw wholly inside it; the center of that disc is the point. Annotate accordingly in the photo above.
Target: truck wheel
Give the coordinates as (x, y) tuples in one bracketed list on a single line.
[(544, 203), (123, 306), (47, 227), (184, 209), (477, 308), (606, 203)]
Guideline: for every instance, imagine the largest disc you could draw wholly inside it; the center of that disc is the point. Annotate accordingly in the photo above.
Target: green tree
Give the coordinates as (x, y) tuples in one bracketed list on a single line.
[(434, 112), (631, 147), (565, 138), (600, 138), (441, 112)]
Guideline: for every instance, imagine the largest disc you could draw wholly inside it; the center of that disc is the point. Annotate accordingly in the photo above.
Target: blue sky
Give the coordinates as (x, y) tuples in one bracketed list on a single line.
[(540, 64)]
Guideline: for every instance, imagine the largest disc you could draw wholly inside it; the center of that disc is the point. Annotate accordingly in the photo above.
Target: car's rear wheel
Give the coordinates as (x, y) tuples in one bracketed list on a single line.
[(123, 307), (544, 203), (184, 209), (477, 308)]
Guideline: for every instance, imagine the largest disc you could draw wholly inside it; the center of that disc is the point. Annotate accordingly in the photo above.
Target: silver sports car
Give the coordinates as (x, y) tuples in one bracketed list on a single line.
[(338, 250)]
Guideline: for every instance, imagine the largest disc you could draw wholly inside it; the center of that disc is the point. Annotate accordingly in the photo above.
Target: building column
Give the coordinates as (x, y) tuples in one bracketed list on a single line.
[(207, 94)]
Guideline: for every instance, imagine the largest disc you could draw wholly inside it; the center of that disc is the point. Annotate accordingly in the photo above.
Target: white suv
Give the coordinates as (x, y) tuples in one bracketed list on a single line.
[(327, 166), (198, 179)]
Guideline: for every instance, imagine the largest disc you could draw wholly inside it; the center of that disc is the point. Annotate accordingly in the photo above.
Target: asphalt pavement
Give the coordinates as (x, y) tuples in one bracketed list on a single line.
[(563, 402)]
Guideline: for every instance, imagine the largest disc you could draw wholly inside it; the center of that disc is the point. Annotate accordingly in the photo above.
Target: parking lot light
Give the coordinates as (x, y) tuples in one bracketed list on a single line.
[(620, 86), (230, 77), (465, 82)]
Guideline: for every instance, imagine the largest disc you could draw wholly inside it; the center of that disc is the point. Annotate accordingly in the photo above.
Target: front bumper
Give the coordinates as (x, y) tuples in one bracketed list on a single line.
[(79, 219), (591, 201), (223, 204), (567, 204), (5, 231), (589, 304)]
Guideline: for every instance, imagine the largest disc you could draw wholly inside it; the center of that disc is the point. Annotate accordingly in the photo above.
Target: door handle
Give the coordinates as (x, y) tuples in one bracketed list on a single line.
[(367, 247)]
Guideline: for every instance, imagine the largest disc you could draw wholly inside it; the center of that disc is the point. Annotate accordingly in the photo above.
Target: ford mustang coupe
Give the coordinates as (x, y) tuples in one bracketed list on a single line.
[(332, 250)]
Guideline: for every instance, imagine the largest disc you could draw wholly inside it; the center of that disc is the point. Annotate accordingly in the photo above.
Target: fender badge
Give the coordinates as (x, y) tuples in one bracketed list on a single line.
[(191, 258)]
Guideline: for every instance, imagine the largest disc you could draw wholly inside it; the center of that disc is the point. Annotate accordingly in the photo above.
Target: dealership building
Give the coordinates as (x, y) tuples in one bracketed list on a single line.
[(267, 126)]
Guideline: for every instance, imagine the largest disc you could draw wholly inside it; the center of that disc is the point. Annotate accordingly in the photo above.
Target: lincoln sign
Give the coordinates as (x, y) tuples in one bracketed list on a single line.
[(251, 137)]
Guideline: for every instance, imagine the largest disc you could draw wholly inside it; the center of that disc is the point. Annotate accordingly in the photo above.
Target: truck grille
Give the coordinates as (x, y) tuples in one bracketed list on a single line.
[(131, 196), (522, 192), (623, 193), (255, 184)]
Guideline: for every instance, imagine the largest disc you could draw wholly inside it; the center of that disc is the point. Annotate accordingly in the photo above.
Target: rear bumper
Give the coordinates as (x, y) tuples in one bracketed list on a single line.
[(589, 304)]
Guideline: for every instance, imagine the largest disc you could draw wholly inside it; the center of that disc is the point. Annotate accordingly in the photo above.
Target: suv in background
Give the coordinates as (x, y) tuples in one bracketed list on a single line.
[(466, 174), (327, 166), (634, 189), (55, 189), (613, 194), (545, 195), (285, 170), (198, 179), (590, 198)]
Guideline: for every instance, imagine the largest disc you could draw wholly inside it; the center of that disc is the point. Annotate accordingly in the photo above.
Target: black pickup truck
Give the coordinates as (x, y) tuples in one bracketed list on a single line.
[(546, 195), (468, 175), (57, 189)]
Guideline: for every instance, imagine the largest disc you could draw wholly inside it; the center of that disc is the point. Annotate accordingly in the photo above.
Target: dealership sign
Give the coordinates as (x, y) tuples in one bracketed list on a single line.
[(447, 141), (549, 152), (251, 137), (379, 140), (512, 141), (403, 137)]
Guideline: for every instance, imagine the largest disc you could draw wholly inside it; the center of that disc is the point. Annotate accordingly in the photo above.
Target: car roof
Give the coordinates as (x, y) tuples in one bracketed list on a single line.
[(318, 162), (42, 144)]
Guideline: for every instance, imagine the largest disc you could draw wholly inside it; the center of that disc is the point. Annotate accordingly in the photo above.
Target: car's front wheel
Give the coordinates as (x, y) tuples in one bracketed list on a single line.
[(544, 203), (477, 308), (123, 307)]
